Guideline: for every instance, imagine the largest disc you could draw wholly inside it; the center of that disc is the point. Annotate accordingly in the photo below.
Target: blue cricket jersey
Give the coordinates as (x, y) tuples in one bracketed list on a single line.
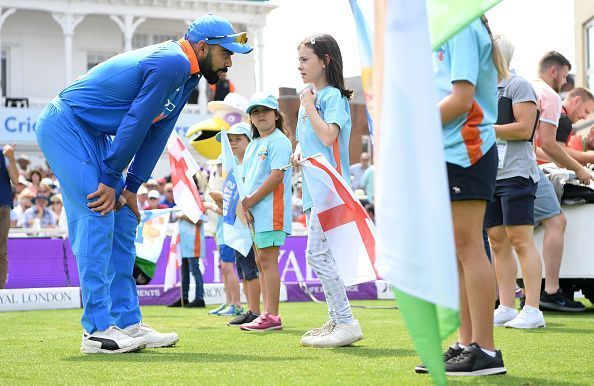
[(137, 97)]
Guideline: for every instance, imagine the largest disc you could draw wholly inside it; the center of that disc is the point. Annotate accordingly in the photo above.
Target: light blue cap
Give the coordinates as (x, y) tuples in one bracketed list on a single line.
[(238, 128), (262, 99)]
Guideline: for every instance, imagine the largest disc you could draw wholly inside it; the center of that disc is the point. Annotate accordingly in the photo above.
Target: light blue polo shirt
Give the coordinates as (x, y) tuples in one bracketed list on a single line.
[(333, 107), (191, 238), (467, 56), (273, 212)]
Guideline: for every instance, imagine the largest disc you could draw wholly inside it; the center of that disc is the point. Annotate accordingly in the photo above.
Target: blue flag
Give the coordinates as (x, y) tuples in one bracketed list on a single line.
[(236, 232)]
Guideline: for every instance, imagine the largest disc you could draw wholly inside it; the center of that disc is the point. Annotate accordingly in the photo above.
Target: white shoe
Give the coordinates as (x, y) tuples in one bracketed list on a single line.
[(309, 336), (111, 341), (527, 318), (152, 338), (503, 315), (343, 334)]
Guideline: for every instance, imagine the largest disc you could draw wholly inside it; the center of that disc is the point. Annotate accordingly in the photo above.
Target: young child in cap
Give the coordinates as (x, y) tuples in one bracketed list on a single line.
[(268, 199)]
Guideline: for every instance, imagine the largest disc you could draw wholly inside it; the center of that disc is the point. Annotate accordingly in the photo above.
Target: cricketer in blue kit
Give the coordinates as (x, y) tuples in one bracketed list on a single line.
[(136, 97)]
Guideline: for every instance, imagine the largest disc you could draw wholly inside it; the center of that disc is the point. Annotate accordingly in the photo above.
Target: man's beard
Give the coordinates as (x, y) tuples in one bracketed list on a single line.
[(210, 74), (556, 86)]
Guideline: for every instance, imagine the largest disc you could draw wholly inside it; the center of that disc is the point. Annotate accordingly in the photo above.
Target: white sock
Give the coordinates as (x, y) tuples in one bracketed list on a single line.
[(489, 353), (506, 307), (530, 309), (461, 346)]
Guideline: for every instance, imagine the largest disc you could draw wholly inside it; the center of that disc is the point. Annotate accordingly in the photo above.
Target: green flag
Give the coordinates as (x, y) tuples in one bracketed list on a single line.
[(448, 17)]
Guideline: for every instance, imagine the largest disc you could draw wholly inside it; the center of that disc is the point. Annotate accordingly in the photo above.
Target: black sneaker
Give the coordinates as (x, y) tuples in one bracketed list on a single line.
[(197, 303), (177, 303), (453, 351), (474, 361), (559, 302), (247, 317)]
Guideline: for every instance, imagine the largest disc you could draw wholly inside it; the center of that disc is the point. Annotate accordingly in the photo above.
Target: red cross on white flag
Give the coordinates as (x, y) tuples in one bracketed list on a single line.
[(173, 261), (183, 168), (346, 225)]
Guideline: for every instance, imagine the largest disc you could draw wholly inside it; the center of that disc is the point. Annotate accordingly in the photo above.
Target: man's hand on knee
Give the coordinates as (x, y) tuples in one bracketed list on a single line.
[(105, 199)]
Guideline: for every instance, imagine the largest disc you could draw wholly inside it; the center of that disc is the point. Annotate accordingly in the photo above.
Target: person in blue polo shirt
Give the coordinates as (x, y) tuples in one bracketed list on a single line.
[(136, 97)]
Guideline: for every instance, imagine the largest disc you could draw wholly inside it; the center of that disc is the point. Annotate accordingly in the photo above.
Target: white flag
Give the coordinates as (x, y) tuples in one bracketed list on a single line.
[(416, 250), (183, 169), (346, 225), (173, 261)]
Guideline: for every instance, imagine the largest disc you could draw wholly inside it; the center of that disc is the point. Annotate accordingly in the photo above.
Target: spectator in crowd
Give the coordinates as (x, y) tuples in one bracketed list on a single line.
[(219, 91), (578, 104), (153, 201), (44, 190), (568, 86), (192, 249), (168, 199), (367, 183), (40, 215), (35, 178), (142, 196), (357, 171), (583, 142), (553, 69), (23, 163), (162, 181), (152, 184), (56, 205), (8, 175), (23, 182), (25, 199)]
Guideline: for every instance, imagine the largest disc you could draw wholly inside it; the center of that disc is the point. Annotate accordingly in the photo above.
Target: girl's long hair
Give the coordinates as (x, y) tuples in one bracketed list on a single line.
[(326, 48), (499, 61)]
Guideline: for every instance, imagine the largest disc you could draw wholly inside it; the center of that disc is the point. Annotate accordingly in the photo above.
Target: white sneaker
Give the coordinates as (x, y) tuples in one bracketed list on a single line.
[(152, 338), (527, 318), (308, 338), (111, 341), (503, 315), (343, 334), (328, 326)]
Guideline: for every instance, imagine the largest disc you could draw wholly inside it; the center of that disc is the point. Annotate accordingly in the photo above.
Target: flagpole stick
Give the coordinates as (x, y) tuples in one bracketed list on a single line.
[(181, 292)]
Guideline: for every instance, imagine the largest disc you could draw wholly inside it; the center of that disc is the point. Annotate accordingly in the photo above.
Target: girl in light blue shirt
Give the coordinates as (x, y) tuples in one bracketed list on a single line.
[(267, 172), (324, 126)]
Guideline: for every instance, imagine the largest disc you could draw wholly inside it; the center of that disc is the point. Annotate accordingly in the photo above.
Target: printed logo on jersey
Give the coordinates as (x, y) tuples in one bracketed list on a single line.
[(169, 106)]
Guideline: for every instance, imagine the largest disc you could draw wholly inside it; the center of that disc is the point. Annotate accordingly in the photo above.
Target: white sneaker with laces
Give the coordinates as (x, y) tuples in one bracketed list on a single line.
[(152, 338), (111, 341), (343, 334), (527, 318), (503, 314), (309, 336)]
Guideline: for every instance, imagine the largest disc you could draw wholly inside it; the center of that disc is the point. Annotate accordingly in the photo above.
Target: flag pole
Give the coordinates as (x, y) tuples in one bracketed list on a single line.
[(181, 294)]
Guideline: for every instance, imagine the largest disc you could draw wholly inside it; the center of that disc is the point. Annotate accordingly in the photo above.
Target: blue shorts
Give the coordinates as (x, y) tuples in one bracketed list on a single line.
[(476, 182), (546, 204), (513, 203), (226, 254), (247, 269)]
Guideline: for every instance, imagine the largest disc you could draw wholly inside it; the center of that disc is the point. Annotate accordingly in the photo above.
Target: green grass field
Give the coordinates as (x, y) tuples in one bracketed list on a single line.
[(42, 347)]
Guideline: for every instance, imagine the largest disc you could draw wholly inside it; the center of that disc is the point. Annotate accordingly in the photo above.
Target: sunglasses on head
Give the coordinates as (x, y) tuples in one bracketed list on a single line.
[(240, 38)]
